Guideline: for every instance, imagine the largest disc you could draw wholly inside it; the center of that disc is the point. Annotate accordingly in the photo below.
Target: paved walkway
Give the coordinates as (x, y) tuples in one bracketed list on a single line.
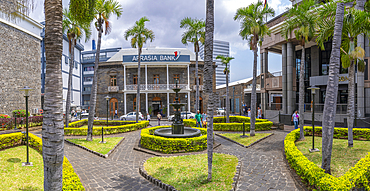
[(263, 167)]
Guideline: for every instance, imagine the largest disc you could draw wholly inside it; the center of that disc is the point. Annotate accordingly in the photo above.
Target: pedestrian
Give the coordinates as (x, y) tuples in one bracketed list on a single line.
[(249, 112), (159, 116), (246, 108), (204, 119), (198, 118), (259, 112), (148, 118), (295, 119), (115, 114)]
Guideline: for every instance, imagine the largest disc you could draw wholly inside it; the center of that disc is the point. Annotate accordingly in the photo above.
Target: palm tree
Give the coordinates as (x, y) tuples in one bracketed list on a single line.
[(140, 35), (225, 60), (104, 9), (52, 129), (208, 80), (303, 23), (194, 33), (332, 86), (252, 29), (75, 29)]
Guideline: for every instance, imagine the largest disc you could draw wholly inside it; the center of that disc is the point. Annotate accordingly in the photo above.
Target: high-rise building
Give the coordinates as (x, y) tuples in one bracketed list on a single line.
[(219, 48)]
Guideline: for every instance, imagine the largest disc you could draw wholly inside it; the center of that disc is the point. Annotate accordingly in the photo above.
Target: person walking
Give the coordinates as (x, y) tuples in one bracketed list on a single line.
[(198, 118), (249, 112), (159, 116), (295, 119), (148, 118), (259, 116), (204, 119), (115, 114)]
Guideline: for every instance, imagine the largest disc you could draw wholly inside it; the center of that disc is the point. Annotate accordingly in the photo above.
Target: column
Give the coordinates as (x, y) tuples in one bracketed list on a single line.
[(289, 70), (189, 101), (125, 101), (188, 78), (360, 83), (168, 102), (167, 79), (146, 102), (146, 78), (264, 96), (284, 77), (124, 81)]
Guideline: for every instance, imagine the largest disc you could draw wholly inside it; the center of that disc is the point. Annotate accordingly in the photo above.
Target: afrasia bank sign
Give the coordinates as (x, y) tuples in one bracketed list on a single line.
[(175, 57)]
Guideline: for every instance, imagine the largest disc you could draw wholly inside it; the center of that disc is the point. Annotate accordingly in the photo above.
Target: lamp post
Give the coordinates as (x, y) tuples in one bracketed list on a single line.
[(102, 128), (186, 107), (26, 90), (313, 92)]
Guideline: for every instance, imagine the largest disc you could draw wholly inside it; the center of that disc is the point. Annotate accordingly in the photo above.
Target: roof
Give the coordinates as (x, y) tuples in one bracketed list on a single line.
[(246, 80), (118, 57)]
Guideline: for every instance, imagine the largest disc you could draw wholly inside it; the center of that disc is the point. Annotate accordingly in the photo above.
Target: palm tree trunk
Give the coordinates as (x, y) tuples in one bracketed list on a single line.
[(52, 128), (332, 91), (301, 94), (94, 85), (227, 98), (138, 86), (351, 102), (208, 79), (68, 103), (254, 95), (196, 79)]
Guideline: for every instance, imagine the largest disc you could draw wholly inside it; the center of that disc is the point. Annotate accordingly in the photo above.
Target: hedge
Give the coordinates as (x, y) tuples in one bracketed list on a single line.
[(358, 133), (238, 119), (83, 122), (172, 145), (70, 179), (107, 130), (356, 177), (8, 123)]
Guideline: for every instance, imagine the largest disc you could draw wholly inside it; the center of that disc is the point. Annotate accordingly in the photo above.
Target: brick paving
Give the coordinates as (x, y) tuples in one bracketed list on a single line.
[(263, 166)]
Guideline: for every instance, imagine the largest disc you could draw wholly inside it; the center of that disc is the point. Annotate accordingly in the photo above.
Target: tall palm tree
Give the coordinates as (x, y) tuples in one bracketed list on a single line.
[(225, 60), (75, 30), (208, 80), (104, 9), (194, 33), (253, 28), (332, 86), (140, 35), (52, 128), (303, 23)]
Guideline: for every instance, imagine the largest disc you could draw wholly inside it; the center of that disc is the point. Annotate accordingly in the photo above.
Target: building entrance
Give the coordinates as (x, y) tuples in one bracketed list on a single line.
[(113, 106), (157, 105)]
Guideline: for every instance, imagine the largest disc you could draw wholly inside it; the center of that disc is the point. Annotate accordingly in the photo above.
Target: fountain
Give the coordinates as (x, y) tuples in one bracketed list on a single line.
[(177, 130)]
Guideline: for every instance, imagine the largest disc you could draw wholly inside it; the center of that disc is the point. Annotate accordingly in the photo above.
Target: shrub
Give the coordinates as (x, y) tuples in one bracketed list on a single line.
[(356, 177), (83, 122), (70, 179), (8, 123), (172, 145), (20, 113), (237, 119), (2, 116), (261, 124)]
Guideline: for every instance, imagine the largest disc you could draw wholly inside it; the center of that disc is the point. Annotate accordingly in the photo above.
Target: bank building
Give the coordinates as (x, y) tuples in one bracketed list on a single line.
[(159, 71)]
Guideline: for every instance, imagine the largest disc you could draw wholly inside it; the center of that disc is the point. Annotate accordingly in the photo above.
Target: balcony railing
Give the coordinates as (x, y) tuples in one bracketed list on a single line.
[(88, 83), (200, 87), (319, 108), (113, 88), (156, 86), (275, 106), (88, 72)]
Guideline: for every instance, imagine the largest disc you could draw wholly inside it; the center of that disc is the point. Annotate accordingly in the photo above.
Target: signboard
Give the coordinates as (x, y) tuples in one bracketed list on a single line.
[(156, 102), (323, 80), (175, 57)]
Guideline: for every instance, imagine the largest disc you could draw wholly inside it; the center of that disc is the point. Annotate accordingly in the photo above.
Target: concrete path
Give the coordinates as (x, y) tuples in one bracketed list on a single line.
[(263, 167)]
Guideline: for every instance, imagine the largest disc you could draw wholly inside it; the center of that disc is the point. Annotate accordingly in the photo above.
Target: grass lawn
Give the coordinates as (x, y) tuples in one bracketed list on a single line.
[(96, 146), (245, 141), (15, 177), (190, 172), (343, 157)]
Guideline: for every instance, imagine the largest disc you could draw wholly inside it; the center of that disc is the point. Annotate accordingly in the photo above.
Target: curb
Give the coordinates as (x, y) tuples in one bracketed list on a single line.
[(242, 144), (94, 152), (168, 187)]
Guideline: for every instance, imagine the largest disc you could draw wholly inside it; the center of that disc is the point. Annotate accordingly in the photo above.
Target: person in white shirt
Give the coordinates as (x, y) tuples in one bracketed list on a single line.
[(295, 119), (259, 112), (249, 112)]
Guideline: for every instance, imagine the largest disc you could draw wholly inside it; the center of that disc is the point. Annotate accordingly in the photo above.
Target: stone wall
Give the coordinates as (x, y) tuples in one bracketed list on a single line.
[(19, 66)]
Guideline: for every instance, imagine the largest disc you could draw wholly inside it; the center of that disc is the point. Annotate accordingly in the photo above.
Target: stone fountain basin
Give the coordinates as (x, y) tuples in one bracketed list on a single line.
[(167, 132)]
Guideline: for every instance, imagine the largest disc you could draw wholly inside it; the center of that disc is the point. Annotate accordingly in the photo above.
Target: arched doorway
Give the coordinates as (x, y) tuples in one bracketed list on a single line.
[(200, 104), (113, 102), (156, 105)]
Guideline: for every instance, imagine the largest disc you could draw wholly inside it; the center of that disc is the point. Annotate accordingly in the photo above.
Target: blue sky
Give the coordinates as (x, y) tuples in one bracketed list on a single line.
[(165, 17)]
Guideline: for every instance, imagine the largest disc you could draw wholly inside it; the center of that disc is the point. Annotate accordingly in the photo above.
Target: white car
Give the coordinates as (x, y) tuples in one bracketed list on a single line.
[(220, 111), (86, 115), (183, 115), (131, 116)]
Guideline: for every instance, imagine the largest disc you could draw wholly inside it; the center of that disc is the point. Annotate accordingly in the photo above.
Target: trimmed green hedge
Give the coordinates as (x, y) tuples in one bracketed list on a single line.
[(172, 145), (237, 119), (70, 179), (83, 122), (342, 133), (356, 177), (107, 130)]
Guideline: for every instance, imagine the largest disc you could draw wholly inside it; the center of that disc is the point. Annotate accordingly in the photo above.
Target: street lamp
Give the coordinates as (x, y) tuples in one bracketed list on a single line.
[(102, 128), (186, 107), (26, 90), (313, 92)]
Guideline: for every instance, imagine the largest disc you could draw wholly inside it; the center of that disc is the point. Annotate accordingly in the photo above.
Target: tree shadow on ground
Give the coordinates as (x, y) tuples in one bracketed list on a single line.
[(14, 160), (29, 188)]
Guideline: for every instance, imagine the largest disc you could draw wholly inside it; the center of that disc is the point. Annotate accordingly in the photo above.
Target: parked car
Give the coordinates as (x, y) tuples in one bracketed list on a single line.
[(183, 116), (86, 116), (220, 111), (131, 116)]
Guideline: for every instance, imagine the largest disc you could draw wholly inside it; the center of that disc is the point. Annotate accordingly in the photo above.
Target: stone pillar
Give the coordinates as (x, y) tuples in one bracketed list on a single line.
[(168, 101), (146, 102), (360, 83), (289, 70), (125, 101), (167, 79), (189, 101), (146, 78), (264, 70), (124, 81), (188, 79), (284, 77)]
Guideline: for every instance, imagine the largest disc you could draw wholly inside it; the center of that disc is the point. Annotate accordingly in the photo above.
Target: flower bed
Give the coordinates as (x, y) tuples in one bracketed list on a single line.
[(9, 123), (356, 177), (125, 127), (70, 179), (172, 145)]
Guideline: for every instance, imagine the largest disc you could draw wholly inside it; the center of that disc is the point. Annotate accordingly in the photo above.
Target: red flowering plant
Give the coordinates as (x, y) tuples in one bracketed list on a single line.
[(20, 113), (2, 116)]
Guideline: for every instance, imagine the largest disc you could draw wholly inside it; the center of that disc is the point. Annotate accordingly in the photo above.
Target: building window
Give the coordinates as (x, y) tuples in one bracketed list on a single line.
[(199, 78), (88, 89), (325, 58), (113, 81), (88, 79), (176, 77), (135, 104), (90, 68), (343, 96), (66, 59), (135, 79), (86, 102), (156, 78)]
